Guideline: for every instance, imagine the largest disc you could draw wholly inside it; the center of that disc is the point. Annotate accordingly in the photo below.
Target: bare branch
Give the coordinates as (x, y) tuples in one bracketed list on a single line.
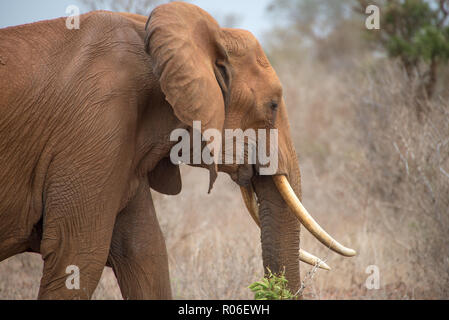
[(444, 8)]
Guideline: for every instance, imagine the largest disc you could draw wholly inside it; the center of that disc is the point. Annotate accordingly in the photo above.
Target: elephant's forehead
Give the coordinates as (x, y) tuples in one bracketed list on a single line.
[(241, 42)]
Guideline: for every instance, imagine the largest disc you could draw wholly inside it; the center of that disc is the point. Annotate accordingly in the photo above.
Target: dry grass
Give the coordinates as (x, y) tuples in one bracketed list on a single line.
[(373, 176)]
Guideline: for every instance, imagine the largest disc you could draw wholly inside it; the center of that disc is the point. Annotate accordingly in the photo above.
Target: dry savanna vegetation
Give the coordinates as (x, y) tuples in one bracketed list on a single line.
[(374, 156)]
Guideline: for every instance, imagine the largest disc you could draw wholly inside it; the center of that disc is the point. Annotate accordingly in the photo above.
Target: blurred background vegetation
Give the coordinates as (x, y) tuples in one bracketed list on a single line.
[(369, 114)]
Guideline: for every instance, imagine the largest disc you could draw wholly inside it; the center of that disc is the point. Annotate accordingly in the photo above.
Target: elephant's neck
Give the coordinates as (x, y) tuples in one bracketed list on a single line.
[(153, 140)]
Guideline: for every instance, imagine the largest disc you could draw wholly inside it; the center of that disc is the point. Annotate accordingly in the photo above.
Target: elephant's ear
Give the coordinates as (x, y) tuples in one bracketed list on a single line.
[(165, 178), (190, 61)]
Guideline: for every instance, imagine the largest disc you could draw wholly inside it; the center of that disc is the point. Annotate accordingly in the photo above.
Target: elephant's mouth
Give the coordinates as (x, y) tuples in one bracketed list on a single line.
[(296, 207)]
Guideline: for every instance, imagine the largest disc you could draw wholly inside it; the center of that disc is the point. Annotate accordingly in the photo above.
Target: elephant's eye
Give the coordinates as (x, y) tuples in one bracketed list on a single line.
[(274, 105)]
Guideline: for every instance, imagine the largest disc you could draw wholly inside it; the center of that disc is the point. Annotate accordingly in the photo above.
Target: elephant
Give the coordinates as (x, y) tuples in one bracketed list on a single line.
[(86, 117)]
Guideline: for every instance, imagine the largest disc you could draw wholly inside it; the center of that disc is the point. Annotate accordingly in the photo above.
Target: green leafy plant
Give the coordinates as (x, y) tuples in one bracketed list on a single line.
[(272, 287)]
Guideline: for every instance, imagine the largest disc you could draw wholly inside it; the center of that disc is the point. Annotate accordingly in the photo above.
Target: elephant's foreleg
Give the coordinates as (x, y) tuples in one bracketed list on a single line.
[(75, 246), (82, 195), (138, 253)]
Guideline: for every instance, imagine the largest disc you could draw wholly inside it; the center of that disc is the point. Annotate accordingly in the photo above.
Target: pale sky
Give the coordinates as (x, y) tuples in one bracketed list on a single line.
[(252, 12)]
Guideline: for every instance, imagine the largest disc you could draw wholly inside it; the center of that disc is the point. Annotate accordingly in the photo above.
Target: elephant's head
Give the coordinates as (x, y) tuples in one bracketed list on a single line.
[(222, 78)]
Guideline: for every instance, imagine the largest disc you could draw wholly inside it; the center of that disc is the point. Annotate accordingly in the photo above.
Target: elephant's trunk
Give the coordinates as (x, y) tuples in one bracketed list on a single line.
[(279, 227)]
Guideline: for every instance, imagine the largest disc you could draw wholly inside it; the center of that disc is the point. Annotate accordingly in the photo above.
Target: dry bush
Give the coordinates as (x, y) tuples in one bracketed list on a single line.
[(374, 176), (406, 167)]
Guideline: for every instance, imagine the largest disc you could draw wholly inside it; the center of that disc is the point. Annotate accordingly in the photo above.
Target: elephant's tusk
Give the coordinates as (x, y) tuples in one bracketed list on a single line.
[(251, 203), (253, 209), (306, 219), (306, 257)]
